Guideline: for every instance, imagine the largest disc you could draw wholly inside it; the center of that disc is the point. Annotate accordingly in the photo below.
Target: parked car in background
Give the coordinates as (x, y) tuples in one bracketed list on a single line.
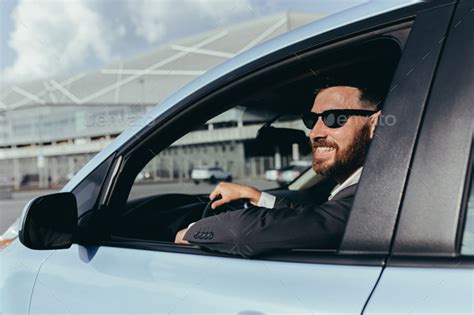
[(7, 183), (6, 180), (408, 243), (289, 173), (271, 175), (143, 176), (210, 174)]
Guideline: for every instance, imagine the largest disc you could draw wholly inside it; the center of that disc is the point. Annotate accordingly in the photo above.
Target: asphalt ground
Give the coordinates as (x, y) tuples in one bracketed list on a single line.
[(10, 209)]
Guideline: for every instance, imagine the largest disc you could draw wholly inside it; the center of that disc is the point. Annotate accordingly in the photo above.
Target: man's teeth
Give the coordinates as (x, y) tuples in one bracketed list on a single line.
[(324, 149)]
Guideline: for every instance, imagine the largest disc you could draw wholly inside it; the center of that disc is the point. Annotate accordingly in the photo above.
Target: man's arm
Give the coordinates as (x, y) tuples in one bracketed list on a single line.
[(266, 201), (249, 232), (231, 191)]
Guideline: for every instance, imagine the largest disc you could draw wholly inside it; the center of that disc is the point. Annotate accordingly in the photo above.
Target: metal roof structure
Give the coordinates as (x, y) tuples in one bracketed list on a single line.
[(107, 101), (149, 78)]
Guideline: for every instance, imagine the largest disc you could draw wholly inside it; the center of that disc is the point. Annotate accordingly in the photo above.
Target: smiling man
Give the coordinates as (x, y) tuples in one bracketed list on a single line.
[(342, 122)]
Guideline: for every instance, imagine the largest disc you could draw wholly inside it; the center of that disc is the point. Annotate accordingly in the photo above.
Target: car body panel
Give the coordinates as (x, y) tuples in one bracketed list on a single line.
[(19, 267), (433, 200), (423, 291), (426, 260), (394, 144), (117, 280)]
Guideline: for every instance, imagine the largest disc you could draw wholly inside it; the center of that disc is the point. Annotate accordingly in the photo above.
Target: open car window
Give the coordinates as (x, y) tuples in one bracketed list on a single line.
[(224, 148), (172, 172)]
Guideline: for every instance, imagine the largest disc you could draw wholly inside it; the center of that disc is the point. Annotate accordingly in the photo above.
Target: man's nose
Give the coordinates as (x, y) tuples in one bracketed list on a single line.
[(319, 129)]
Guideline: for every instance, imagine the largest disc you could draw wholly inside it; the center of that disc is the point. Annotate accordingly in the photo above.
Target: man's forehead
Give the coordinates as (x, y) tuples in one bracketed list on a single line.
[(337, 97)]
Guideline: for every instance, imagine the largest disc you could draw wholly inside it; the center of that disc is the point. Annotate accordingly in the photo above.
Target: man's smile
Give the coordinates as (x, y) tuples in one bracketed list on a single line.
[(323, 152)]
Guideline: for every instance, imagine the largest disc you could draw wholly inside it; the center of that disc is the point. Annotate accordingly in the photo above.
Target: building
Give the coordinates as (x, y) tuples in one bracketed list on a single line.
[(50, 128)]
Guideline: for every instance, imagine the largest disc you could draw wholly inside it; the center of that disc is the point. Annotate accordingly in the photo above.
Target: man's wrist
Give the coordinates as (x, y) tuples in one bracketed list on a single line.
[(254, 195)]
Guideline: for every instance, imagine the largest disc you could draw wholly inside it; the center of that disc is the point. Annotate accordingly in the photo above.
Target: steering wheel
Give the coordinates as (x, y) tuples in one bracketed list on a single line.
[(205, 212)]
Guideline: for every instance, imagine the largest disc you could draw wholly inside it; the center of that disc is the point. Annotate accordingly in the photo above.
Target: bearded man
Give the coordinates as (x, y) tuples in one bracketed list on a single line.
[(342, 122)]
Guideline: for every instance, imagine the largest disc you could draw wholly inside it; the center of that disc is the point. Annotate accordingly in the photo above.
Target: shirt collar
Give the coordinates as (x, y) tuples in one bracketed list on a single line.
[(352, 180)]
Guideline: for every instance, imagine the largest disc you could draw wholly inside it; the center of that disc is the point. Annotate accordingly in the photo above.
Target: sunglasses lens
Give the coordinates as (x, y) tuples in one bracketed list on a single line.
[(309, 120), (329, 120), (333, 120)]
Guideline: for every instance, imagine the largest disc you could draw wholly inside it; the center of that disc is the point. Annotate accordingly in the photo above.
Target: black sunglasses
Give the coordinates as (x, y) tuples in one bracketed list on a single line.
[(334, 118)]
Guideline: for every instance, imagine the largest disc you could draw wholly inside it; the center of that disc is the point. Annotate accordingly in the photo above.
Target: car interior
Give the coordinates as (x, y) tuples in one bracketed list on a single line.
[(285, 89)]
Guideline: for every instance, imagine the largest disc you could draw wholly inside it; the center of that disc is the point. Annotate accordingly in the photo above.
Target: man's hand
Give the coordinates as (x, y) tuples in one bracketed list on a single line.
[(179, 237), (231, 191)]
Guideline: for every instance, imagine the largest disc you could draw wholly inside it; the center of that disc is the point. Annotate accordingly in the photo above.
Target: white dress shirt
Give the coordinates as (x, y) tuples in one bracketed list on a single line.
[(268, 201), (352, 180)]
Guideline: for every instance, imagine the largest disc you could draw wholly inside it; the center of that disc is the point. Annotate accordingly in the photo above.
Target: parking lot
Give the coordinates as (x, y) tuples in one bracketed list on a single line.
[(10, 209)]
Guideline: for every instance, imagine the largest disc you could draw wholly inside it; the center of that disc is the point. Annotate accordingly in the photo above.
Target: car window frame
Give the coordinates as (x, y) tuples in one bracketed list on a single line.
[(468, 194), (429, 235), (400, 16), (408, 87)]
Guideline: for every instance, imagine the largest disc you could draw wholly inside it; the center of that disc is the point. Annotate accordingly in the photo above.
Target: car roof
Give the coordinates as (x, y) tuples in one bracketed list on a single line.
[(344, 18)]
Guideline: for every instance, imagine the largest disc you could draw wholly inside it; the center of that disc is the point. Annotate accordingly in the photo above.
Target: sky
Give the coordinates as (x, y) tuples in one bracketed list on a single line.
[(45, 38)]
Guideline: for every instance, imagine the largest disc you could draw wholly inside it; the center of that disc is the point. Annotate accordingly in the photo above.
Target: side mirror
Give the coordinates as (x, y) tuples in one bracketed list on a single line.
[(49, 222)]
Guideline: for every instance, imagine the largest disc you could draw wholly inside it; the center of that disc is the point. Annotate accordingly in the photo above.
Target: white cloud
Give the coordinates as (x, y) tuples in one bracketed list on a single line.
[(159, 20), (53, 37)]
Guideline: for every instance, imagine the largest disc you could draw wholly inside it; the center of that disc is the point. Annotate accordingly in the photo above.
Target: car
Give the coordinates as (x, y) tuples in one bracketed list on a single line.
[(7, 184), (143, 176), (408, 244), (271, 175), (288, 174), (209, 174), (6, 180)]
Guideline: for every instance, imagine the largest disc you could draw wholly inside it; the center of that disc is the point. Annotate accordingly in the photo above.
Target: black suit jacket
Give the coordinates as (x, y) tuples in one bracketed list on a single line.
[(289, 225)]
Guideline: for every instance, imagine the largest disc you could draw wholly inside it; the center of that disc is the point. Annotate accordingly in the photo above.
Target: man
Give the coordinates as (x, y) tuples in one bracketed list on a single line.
[(342, 123)]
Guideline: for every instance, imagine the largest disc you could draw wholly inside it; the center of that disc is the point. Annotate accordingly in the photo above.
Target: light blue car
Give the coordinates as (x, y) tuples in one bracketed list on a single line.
[(408, 245)]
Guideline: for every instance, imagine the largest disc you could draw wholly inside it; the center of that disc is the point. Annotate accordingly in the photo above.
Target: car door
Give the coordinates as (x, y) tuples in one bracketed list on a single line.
[(433, 252), (143, 277)]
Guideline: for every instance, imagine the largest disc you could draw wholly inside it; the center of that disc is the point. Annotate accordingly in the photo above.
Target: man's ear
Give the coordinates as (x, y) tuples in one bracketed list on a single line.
[(373, 122)]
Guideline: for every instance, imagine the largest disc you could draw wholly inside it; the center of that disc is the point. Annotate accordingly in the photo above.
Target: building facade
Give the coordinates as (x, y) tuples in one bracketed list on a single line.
[(50, 128)]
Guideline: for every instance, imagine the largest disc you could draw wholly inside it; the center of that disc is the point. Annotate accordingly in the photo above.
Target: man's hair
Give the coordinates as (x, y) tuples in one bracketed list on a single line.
[(369, 98)]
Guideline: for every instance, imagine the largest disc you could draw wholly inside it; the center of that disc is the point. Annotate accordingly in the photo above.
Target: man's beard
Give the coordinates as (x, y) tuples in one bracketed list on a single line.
[(347, 161)]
